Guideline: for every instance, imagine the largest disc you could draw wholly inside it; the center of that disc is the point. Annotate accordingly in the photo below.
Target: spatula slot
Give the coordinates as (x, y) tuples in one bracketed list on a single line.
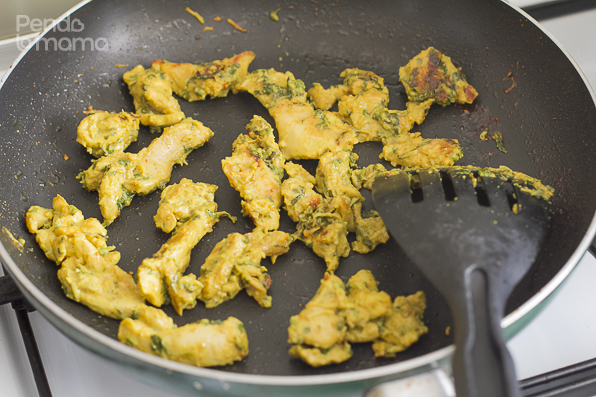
[(416, 188), (448, 187), (481, 194)]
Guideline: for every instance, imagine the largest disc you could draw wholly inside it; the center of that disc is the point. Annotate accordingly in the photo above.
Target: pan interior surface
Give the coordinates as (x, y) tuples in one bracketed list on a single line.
[(528, 91)]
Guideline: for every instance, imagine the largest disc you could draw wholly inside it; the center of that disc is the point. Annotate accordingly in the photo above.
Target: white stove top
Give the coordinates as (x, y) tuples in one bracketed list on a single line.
[(564, 333)]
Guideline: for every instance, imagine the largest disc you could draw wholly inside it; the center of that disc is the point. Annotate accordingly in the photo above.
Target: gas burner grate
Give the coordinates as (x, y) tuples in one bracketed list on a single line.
[(9, 293)]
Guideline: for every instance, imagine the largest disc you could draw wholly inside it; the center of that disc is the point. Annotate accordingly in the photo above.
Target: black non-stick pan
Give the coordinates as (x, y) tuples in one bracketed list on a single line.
[(529, 91)]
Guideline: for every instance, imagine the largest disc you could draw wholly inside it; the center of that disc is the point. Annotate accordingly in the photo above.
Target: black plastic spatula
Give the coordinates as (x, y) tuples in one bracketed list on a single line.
[(474, 238)]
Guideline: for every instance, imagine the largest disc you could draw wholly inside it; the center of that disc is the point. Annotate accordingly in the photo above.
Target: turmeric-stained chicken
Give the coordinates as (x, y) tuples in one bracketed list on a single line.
[(366, 107), (320, 223), (154, 102), (103, 133), (196, 82), (255, 169), (356, 312), (304, 132), (204, 343), (432, 75), (88, 271), (324, 220), (189, 210), (235, 264), (324, 99), (121, 175), (411, 150)]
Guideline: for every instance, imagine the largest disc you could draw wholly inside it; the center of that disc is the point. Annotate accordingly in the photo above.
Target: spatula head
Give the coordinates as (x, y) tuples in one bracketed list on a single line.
[(448, 220)]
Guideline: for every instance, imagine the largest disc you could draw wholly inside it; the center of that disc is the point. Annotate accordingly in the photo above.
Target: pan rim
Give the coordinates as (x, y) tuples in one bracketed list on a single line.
[(55, 314)]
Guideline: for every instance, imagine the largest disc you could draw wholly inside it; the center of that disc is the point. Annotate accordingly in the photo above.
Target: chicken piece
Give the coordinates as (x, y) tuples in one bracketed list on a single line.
[(304, 133), (411, 150), (204, 343), (88, 271), (325, 98), (369, 304), (120, 176), (321, 323), (334, 180), (235, 263), (190, 211), (370, 230), (316, 357), (365, 177), (432, 75), (320, 223), (151, 90), (403, 327), (366, 107), (256, 169), (357, 312), (298, 192), (103, 133), (195, 82)]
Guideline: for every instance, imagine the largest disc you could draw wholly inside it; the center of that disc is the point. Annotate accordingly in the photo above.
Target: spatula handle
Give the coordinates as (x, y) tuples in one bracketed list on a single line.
[(482, 365)]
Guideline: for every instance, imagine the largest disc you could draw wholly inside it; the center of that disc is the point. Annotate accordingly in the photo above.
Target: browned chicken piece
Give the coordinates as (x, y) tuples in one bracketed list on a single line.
[(214, 79), (255, 169), (304, 132), (432, 75), (103, 133), (204, 343), (235, 264), (356, 312), (88, 271), (121, 175), (189, 210), (152, 94)]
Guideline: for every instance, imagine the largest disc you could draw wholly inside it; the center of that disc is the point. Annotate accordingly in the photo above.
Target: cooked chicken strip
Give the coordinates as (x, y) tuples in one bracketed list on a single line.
[(204, 343), (255, 169), (304, 133), (152, 94), (195, 82), (190, 211), (235, 263), (103, 133), (88, 270)]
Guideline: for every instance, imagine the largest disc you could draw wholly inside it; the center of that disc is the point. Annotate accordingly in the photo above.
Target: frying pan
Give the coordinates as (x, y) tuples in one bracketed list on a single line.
[(529, 90)]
